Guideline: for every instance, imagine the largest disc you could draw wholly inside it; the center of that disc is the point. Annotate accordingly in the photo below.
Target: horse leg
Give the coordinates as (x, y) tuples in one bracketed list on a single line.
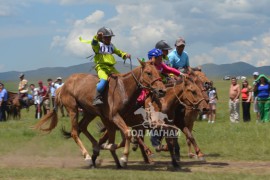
[(74, 129), (146, 152), (170, 142), (198, 151), (83, 124), (111, 134), (177, 149), (120, 123)]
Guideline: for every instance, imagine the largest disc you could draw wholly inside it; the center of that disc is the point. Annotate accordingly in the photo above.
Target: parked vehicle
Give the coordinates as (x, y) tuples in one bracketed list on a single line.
[(227, 77)]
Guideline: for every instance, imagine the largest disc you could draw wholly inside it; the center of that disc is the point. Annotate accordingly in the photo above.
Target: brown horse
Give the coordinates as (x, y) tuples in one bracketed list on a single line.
[(15, 106), (122, 90), (185, 117), (185, 93)]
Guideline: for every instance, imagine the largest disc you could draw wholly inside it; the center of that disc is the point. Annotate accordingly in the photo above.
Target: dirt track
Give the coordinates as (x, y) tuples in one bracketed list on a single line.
[(187, 165)]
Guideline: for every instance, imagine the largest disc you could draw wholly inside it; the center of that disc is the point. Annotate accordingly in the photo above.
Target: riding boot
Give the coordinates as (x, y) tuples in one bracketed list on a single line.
[(98, 99)]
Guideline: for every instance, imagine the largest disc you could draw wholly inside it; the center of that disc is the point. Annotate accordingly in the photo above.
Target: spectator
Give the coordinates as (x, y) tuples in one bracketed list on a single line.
[(43, 93), (4, 96), (212, 103), (246, 99), (23, 90), (262, 88), (57, 84), (234, 94), (255, 98), (34, 93), (51, 89)]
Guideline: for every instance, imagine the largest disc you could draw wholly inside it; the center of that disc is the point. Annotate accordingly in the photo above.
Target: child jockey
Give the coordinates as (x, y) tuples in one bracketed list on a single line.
[(164, 47), (104, 59), (155, 55)]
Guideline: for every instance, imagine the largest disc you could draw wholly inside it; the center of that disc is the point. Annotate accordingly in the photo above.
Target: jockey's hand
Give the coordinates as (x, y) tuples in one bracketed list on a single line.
[(184, 75), (99, 36), (127, 56)]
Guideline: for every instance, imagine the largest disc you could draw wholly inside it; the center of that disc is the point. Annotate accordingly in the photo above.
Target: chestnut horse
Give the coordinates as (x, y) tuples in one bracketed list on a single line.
[(122, 90), (184, 92), (185, 117)]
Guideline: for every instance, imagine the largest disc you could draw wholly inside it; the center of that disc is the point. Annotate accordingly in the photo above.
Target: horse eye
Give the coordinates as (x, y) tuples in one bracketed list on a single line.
[(149, 74)]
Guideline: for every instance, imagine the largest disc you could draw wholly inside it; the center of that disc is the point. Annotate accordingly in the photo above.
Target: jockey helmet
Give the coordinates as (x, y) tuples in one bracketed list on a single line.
[(40, 82), (106, 31), (163, 45), (154, 53)]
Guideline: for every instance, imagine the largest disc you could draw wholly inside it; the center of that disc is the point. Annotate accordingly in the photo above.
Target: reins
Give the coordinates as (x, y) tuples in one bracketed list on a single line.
[(194, 106), (140, 85)]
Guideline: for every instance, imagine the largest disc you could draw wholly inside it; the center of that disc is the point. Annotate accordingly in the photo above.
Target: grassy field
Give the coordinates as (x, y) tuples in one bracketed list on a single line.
[(233, 151)]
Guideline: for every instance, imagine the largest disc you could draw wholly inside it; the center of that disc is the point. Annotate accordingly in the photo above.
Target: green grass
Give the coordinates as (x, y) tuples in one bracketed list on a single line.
[(28, 154)]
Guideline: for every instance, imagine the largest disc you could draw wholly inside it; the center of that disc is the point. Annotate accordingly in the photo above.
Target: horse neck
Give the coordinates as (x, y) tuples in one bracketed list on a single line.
[(129, 82), (171, 97)]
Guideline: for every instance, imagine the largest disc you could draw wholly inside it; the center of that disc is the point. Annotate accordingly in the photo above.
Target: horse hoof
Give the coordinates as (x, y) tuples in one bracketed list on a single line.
[(88, 161), (123, 162), (201, 158), (191, 155)]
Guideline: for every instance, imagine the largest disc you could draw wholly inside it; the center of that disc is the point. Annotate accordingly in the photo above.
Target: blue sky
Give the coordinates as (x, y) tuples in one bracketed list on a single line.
[(44, 33)]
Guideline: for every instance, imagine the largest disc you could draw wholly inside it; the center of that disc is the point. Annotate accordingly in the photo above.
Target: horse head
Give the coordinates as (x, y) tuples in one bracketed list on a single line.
[(201, 81), (191, 96), (150, 78)]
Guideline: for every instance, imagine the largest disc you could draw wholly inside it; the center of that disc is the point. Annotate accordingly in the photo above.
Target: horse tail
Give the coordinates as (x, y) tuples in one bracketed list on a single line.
[(52, 117), (66, 133)]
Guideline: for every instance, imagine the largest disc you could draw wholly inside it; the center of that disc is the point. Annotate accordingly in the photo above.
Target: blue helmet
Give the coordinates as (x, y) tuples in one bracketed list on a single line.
[(154, 53)]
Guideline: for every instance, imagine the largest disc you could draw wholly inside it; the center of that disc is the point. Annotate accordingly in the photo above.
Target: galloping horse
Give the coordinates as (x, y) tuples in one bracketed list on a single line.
[(184, 92), (121, 92), (185, 117)]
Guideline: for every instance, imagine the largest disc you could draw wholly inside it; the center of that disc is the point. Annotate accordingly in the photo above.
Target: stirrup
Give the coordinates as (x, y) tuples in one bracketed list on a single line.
[(97, 101)]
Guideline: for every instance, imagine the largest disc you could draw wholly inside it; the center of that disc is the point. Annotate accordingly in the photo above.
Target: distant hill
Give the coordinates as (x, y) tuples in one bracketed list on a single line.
[(234, 69), (211, 70), (64, 72)]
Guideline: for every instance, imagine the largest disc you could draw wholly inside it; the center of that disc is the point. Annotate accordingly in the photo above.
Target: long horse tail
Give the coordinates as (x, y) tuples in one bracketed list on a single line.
[(66, 133), (51, 116)]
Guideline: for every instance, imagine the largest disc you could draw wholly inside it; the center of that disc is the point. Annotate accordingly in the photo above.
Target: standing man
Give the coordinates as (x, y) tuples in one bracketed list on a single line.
[(4, 95), (43, 93), (57, 84), (51, 90), (178, 57), (255, 97), (234, 94), (34, 93), (23, 90)]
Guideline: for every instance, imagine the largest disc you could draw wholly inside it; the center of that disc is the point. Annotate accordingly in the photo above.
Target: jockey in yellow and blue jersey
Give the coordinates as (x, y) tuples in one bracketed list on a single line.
[(104, 59)]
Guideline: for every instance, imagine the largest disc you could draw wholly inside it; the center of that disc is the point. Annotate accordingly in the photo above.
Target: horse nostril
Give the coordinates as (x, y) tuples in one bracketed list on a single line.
[(161, 92), (205, 110)]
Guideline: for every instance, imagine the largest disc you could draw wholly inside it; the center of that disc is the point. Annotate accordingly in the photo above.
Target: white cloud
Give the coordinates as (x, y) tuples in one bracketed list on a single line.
[(93, 18), (229, 31), (5, 10)]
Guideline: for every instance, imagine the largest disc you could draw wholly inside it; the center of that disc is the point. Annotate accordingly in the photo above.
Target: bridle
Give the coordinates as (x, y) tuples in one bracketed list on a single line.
[(149, 85), (193, 106)]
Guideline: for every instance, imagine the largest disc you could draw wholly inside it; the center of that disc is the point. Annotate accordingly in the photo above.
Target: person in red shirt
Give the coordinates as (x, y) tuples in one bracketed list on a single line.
[(43, 94)]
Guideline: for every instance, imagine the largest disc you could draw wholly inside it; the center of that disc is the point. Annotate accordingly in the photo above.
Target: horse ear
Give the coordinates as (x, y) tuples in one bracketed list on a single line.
[(141, 62)]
